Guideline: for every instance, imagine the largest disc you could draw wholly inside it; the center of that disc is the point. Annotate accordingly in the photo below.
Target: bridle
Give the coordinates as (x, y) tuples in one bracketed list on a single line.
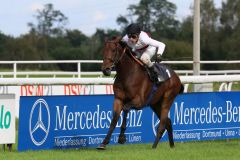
[(116, 59)]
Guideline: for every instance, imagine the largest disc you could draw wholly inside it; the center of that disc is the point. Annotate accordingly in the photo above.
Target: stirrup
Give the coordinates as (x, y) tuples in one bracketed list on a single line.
[(159, 80), (156, 78)]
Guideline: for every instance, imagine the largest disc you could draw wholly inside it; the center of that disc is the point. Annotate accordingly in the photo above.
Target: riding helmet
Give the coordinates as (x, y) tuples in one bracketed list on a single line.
[(133, 29)]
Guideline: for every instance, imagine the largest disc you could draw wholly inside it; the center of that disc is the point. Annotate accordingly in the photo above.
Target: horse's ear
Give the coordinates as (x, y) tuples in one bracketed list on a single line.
[(115, 38)]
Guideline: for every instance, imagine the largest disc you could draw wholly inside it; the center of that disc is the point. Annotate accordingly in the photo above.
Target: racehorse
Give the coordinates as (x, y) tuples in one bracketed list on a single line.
[(132, 87)]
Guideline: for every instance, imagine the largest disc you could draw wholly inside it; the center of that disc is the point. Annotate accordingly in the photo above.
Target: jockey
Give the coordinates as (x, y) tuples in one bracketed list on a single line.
[(144, 47)]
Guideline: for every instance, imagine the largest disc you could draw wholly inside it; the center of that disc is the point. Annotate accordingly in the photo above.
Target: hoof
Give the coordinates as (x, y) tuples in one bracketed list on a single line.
[(101, 147), (154, 146), (122, 139), (172, 146)]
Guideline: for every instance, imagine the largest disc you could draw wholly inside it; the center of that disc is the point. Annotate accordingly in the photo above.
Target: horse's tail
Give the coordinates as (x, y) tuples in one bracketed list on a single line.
[(182, 89)]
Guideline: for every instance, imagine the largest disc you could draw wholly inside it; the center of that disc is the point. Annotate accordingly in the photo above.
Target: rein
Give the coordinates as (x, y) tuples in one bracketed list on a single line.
[(121, 56), (137, 60)]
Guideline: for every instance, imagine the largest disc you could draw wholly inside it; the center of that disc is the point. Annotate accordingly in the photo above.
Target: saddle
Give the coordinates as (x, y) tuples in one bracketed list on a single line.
[(159, 73)]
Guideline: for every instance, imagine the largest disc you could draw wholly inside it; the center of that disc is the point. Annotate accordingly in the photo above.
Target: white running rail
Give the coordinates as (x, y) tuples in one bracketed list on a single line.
[(62, 81), (78, 73)]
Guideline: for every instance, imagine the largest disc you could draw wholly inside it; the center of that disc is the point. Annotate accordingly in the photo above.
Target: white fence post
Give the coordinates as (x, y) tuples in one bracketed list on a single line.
[(79, 69), (15, 70)]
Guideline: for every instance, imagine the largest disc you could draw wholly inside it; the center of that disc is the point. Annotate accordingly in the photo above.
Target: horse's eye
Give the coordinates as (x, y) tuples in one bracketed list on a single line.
[(114, 50)]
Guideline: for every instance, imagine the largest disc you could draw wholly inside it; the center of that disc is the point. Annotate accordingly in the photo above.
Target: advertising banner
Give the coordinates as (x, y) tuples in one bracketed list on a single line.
[(7, 119), (50, 90), (56, 122), (206, 116)]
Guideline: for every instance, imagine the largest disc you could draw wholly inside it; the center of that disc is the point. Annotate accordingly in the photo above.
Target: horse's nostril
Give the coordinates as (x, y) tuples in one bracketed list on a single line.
[(107, 72)]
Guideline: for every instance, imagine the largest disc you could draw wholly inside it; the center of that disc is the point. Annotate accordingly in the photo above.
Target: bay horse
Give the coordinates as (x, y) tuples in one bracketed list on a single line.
[(132, 87)]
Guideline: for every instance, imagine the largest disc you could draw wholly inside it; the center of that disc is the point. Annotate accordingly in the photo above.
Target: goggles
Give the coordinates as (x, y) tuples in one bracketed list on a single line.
[(134, 36)]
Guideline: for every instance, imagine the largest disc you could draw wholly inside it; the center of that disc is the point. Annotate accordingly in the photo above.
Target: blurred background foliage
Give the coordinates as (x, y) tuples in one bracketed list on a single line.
[(49, 39)]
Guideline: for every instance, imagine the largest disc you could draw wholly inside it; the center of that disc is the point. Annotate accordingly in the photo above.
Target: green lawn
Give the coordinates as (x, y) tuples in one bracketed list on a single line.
[(213, 150)]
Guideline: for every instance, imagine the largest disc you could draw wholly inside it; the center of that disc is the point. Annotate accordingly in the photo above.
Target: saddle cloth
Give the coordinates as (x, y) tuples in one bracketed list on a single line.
[(163, 72)]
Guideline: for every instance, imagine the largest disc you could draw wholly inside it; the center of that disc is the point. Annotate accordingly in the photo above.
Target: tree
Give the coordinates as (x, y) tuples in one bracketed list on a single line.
[(51, 22), (143, 11), (164, 22), (209, 15), (230, 14), (155, 16), (3, 40), (75, 37), (122, 21), (20, 49), (186, 30), (229, 30), (209, 37)]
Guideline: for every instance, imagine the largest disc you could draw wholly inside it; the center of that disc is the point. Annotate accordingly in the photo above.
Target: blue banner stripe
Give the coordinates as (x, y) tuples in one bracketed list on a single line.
[(57, 122)]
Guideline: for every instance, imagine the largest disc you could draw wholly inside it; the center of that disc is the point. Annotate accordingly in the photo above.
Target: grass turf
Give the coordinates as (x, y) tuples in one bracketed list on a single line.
[(205, 150)]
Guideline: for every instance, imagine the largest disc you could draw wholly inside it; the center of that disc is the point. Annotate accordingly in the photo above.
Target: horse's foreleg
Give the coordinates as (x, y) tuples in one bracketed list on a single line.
[(117, 108), (122, 137)]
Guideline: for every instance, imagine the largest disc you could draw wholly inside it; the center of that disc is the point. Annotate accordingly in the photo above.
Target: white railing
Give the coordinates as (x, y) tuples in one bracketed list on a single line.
[(15, 64), (78, 73), (226, 81), (62, 81)]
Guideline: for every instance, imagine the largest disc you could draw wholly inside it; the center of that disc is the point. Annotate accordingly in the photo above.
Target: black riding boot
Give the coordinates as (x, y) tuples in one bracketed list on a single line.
[(154, 75)]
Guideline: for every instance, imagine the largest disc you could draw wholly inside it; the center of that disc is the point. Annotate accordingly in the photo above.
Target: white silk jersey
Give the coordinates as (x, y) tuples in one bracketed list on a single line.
[(144, 41)]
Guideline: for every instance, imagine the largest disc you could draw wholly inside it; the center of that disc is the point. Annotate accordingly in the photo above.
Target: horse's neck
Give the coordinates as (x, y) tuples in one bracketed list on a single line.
[(128, 67)]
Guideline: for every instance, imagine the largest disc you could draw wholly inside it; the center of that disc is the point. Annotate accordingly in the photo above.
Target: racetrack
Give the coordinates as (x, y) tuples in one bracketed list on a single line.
[(214, 150)]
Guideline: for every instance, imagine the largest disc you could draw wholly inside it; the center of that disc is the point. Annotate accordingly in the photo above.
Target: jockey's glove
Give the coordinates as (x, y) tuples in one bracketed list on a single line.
[(158, 58)]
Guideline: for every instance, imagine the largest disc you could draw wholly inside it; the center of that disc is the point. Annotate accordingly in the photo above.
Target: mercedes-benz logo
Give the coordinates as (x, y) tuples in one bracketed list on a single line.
[(155, 124), (39, 127)]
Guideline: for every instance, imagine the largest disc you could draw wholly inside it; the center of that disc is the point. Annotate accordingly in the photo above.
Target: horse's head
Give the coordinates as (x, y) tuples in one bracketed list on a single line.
[(112, 54)]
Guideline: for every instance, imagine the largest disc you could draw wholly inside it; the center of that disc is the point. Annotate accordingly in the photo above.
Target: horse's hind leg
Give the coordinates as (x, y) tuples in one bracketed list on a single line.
[(157, 110), (122, 137), (117, 111), (170, 132), (160, 130), (162, 112)]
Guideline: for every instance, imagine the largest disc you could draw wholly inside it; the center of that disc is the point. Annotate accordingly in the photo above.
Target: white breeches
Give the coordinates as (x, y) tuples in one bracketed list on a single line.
[(147, 56)]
